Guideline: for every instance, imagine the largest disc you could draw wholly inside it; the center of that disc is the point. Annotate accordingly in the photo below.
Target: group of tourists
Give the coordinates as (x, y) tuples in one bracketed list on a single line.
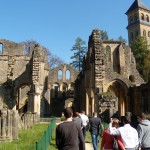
[(71, 133)]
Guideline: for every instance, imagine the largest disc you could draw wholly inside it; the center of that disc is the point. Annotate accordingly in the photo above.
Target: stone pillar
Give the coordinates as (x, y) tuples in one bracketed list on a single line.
[(8, 124), (37, 103), (69, 86), (87, 104), (30, 102), (60, 87), (0, 128), (11, 120), (93, 104), (3, 115), (19, 98), (15, 125)]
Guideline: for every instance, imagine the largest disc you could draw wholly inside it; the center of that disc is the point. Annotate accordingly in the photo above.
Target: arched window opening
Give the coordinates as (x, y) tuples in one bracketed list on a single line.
[(60, 74), (131, 19), (142, 16), (144, 33), (147, 18), (149, 34), (68, 74), (131, 78), (108, 53), (135, 17), (64, 87), (1, 48)]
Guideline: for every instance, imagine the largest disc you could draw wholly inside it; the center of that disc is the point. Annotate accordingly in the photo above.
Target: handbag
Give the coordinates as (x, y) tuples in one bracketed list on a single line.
[(115, 144)]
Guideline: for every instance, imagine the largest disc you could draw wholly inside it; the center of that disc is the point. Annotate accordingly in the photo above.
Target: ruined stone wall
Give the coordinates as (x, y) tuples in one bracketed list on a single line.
[(11, 48), (65, 87), (107, 64), (19, 70)]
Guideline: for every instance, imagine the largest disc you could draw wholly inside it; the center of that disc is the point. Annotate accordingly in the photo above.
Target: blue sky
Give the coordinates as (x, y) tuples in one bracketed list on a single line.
[(57, 23)]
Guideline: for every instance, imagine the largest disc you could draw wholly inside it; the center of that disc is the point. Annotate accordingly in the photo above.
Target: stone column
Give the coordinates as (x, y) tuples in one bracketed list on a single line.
[(0, 128), (30, 102), (4, 115), (8, 124), (87, 104), (15, 125), (92, 104), (11, 120)]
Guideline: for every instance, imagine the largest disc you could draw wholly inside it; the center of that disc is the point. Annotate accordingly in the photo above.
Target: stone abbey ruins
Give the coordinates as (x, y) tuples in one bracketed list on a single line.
[(109, 82)]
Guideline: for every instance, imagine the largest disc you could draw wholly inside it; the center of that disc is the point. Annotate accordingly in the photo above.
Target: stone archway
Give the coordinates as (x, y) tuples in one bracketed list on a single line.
[(115, 95)]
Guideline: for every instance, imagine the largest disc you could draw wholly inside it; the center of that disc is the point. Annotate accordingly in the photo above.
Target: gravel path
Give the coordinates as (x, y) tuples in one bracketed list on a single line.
[(88, 146)]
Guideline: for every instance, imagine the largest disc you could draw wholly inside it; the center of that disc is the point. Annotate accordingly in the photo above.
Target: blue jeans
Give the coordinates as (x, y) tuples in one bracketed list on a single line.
[(95, 140), (84, 132)]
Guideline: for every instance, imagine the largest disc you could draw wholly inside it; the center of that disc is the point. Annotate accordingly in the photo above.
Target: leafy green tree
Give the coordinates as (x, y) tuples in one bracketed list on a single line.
[(141, 53), (103, 35), (121, 39), (80, 50)]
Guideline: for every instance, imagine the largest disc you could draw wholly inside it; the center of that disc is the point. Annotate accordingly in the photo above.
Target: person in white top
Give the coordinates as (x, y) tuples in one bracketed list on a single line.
[(85, 121), (128, 134)]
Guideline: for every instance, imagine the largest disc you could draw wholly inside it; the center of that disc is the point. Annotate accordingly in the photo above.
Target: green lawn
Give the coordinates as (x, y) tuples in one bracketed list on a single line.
[(27, 138)]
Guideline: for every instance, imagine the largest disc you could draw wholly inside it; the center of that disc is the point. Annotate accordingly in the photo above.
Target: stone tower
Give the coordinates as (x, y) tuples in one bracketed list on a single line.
[(138, 21)]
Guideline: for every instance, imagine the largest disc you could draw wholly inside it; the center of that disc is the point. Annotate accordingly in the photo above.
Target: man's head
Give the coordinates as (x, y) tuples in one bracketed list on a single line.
[(141, 116), (115, 122), (95, 114), (76, 114), (68, 112), (126, 119)]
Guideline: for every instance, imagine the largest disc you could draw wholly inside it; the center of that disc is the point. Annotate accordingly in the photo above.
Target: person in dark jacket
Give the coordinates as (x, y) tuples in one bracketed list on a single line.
[(143, 129), (95, 125), (77, 120), (68, 134)]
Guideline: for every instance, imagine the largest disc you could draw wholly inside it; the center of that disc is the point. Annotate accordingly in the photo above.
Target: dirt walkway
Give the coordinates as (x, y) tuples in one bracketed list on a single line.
[(88, 146)]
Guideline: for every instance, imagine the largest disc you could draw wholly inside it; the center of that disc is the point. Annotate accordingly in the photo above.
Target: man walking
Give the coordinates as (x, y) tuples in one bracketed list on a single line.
[(77, 119), (85, 121), (68, 134), (95, 125), (143, 129), (128, 134)]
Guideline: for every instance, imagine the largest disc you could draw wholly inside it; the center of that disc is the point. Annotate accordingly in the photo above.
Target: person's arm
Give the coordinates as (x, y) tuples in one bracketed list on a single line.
[(139, 130), (112, 130), (120, 144), (101, 126), (137, 140), (57, 137)]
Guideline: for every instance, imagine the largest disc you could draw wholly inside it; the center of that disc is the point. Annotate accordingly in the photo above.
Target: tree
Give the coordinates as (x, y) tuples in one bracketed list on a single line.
[(53, 60), (141, 53), (81, 50), (103, 35), (121, 39)]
